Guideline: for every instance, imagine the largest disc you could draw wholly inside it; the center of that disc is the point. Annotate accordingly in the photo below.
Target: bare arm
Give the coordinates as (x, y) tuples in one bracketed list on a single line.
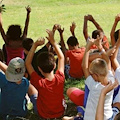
[(28, 61), (100, 106), (3, 66), (2, 30), (28, 9), (90, 18), (117, 19), (86, 58), (72, 29), (57, 50), (85, 28)]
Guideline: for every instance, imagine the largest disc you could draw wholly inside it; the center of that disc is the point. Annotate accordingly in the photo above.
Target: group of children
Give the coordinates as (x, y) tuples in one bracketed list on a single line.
[(40, 76)]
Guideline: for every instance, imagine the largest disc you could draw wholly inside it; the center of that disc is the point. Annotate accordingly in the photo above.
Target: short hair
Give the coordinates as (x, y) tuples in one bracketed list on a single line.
[(72, 41), (46, 61), (27, 43), (116, 35), (95, 33), (98, 66), (117, 117), (14, 32)]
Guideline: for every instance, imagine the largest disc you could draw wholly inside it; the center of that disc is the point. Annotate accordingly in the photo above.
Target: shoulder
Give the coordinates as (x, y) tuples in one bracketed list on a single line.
[(59, 75)]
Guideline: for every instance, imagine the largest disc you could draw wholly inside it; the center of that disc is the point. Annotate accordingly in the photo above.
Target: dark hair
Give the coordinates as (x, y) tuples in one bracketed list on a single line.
[(27, 43), (72, 41), (46, 61), (14, 32), (116, 35), (95, 33)]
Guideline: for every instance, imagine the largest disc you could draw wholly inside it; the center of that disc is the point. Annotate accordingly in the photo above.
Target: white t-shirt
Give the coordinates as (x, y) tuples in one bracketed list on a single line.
[(117, 74), (93, 97)]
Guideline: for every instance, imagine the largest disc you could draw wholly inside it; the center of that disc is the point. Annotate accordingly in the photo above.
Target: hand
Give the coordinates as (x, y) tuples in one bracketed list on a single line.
[(2, 8), (56, 27), (110, 87), (72, 28), (40, 41), (90, 42), (50, 36), (98, 42), (28, 9), (60, 30), (90, 17), (117, 18)]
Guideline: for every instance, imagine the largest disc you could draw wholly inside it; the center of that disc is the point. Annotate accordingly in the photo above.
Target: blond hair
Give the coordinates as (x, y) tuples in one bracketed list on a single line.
[(98, 66)]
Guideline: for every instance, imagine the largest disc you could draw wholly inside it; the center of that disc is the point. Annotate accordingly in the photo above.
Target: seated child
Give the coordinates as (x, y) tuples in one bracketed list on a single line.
[(50, 101), (13, 38), (74, 55), (14, 88)]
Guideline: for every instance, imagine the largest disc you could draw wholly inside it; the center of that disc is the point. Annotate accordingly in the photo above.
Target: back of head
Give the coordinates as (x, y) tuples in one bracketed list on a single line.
[(117, 117), (95, 33), (46, 61), (116, 35), (14, 32), (98, 66), (27, 43), (72, 41), (15, 70)]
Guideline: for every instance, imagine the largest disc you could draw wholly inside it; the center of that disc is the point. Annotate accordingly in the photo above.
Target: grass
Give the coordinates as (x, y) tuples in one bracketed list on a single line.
[(46, 13)]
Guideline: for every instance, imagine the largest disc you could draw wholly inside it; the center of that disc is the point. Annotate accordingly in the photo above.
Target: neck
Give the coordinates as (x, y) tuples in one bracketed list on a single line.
[(104, 81), (49, 76)]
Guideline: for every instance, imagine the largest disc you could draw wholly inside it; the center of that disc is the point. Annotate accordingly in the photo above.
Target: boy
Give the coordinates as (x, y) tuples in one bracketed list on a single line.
[(14, 88), (95, 32), (97, 75), (73, 56), (50, 89)]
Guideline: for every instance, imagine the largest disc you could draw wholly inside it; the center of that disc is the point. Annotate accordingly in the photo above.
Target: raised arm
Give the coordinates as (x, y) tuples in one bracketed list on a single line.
[(72, 28), (100, 106), (28, 9), (2, 30), (28, 61), (114, 61), (3, 66), (57, 50), (85, 61), (85, 28), (117, 19)]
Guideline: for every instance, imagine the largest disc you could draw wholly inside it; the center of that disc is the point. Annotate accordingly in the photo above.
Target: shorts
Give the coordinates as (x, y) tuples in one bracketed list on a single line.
[(115, 112), (77, 97)]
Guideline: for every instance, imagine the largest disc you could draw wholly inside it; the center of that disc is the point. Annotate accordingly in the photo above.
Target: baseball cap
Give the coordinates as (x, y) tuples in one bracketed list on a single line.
[(15, 70)]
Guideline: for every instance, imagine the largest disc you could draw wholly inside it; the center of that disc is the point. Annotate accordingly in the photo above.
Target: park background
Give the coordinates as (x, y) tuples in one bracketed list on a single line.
[(46, 13)]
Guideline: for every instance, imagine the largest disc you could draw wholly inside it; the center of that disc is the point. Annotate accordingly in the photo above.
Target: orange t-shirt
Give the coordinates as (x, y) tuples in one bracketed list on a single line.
[(75, 58)]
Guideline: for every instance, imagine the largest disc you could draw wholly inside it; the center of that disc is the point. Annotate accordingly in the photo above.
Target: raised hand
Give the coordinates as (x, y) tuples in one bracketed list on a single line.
[(117, 18), (55, 27), (60, 30), (72, 27), (50, 36), (28, 9), (40, 41), (90, 17)]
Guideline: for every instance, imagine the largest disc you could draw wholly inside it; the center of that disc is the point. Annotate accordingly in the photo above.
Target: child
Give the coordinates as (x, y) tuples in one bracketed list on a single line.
[(13, 38), (115, 34), (95, 32), (74, 55), (14, 88), (50, 89), (97, 75)]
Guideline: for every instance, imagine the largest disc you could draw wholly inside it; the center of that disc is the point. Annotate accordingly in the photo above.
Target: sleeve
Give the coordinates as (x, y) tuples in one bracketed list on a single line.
[(60, 76), (3, 80), (90, 82), (35, 79)]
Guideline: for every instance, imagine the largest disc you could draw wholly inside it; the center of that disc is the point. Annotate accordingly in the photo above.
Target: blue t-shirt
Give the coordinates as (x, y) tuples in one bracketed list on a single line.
[(13, 101)]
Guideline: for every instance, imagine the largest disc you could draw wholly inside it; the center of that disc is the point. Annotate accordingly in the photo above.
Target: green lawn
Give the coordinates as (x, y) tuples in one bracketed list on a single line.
[(46, 13)]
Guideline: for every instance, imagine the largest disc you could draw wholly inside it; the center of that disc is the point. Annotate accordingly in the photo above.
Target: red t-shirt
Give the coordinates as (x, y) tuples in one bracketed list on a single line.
[(50, 95), (75, 58)]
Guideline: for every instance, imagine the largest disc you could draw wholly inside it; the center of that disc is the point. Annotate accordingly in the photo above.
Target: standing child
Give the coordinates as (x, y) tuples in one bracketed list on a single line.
[(97, 74), (13, 38), (50, 89)]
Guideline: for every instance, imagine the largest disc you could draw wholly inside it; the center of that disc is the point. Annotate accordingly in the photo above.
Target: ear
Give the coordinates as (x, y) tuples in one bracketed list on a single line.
[(54, 66), (95, 76)]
